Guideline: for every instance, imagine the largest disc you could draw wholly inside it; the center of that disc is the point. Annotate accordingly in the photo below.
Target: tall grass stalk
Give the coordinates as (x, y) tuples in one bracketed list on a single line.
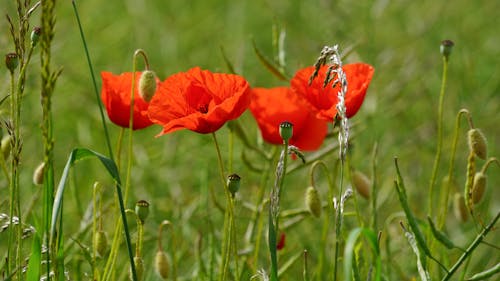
[(110, 152)]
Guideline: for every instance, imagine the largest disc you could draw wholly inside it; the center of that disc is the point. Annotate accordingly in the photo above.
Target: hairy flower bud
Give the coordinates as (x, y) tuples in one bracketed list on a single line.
[(459, 208), (286, 130), (161, 264), (313, 202), (477, 143), (101, 243), (361, 183), (38, 174), (147, 85), (139, 268), (478, 187)]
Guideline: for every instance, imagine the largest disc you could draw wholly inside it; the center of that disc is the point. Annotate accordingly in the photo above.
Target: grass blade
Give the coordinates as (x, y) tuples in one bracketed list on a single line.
[(33, 273), (270, 66), (371, 238)]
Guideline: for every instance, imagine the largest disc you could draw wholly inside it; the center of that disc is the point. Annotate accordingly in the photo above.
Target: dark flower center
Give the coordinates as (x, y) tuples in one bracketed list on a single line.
[(203, 108)]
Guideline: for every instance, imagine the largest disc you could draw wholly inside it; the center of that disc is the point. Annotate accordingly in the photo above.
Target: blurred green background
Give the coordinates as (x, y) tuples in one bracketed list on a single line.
[(400, 39)]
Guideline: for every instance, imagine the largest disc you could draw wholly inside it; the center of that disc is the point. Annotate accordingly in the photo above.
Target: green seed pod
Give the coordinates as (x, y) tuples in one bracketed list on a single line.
[(478, 187), (142, 210), (11, 61), (477, 143), (361, 183), (286, 130), (161, 264), (313, 202), (6, 146), (446, 47), (35, 35), (147, 85), (139, 269), (233, 183), (459, 208), (440, 236), (101, 243), (38, 174)]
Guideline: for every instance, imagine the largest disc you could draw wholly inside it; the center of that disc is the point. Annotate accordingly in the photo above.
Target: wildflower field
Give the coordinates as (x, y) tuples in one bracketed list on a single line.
[(249, 140)]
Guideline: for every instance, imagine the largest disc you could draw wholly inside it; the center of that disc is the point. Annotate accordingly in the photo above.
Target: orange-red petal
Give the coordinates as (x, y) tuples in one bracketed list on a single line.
[(271, 107), (324, 99), (199, 100), (115, 95)]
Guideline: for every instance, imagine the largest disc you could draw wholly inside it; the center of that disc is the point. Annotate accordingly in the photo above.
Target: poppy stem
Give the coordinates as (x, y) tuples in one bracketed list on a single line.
[(228, 217)]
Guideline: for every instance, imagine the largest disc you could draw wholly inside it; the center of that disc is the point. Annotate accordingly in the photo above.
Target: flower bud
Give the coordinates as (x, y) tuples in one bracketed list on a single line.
[(478, 187), (11, 61), (233, 183), (361, 183), (477, 143), (139, 268), (6, 146), (459, 208), (142, 210), (161, 264), (313, 202), (101, 243), (286, 130), (35, 35), (446, 47), (147, 85), (38, 174)]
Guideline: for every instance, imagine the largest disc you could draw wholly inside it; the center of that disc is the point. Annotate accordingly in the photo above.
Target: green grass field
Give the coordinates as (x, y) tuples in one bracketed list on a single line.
[(176, 172)]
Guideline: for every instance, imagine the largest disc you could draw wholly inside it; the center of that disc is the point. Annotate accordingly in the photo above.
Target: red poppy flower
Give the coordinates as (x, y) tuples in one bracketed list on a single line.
[(199, 100), (324, 99), (270, 107), (115, 95)]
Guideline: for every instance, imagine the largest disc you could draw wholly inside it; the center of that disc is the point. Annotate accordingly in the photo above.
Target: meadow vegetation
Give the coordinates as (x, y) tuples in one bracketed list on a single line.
[(403, 220)]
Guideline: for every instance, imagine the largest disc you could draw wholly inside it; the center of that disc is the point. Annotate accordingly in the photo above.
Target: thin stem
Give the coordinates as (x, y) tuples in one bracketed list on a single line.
[(472, 246), (228, 217), (338, 219), (96, 91), (446, 190), (439, 136)]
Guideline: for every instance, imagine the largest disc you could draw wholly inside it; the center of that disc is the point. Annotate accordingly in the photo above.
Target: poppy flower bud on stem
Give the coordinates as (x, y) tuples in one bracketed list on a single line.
[(147, 85), (233, 183), (477, 143), (35, 35), (361, 183), (38, 174), (11, 61), (446, 48), (478, 187), (139, 268), (286, 130), (161, 264), (459, 208), (101, 243), (313, 202), (142, 210)]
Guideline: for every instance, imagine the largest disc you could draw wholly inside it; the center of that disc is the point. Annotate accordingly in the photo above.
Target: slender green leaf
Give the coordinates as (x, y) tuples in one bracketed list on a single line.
[(229, 65), (33, 273), (270, 66), (486, 274), (76, 155), (349, 250)]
